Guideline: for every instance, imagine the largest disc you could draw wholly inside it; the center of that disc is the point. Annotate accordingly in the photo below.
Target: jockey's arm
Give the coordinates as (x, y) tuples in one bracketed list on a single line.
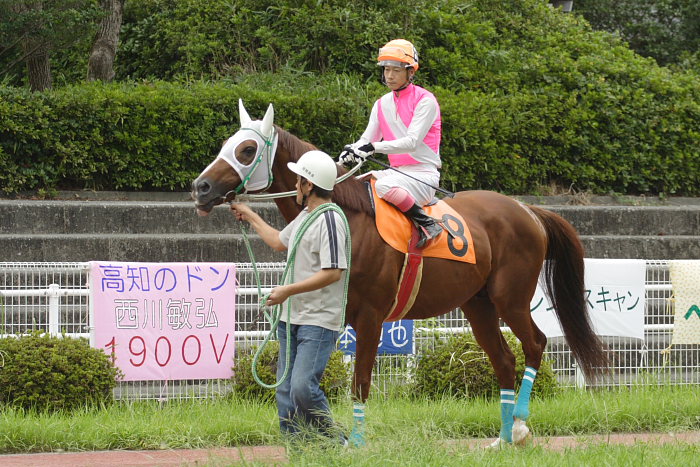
[(373, 131)]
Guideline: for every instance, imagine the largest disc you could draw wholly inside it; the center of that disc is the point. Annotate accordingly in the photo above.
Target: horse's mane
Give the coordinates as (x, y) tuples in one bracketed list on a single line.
[(294, 145), (350, 194), (353, 194)]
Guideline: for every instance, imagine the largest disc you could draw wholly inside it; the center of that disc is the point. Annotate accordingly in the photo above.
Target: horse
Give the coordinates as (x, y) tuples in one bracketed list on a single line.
[(512, 241)]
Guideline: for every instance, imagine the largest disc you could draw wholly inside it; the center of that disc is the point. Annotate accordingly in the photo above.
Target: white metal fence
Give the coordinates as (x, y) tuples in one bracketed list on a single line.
[(54, 297)]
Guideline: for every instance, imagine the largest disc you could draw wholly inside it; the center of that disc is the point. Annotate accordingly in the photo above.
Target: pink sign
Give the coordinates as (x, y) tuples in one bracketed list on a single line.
[(165, 321)]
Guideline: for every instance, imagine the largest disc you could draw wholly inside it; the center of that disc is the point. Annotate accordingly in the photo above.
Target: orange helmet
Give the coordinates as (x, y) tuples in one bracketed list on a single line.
[(398, 52)]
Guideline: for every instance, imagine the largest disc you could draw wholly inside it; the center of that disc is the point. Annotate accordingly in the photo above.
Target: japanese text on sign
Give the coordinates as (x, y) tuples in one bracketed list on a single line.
[(615, 299), (165, 321), (396, 339)]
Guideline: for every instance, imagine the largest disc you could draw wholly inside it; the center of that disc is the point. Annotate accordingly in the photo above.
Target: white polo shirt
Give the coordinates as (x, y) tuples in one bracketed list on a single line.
[(321, 247)]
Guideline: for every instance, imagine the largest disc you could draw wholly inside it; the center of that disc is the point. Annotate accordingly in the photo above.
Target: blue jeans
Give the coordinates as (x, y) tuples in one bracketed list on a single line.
[(300, 399)]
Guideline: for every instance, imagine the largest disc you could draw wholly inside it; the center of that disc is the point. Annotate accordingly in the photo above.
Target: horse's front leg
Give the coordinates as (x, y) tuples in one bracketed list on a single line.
[(366, 351)]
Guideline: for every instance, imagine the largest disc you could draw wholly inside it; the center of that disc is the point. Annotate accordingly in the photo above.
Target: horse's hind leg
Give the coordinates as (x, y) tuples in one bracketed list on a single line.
[(513, 305), (484, 322), (533, 341)]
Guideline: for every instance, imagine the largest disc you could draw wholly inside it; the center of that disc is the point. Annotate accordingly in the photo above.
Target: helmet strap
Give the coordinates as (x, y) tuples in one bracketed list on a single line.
[(410, 79), (304, 196)]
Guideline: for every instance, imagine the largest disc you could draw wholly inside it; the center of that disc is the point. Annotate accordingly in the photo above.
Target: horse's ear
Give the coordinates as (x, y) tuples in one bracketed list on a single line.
[(243, 113), (266, 128)]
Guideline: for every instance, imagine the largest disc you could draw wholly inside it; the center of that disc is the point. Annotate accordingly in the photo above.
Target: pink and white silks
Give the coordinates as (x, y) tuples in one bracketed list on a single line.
[(406, 125)]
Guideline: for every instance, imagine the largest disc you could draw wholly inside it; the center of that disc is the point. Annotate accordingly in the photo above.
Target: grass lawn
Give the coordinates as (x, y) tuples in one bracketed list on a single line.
[(400, 430)]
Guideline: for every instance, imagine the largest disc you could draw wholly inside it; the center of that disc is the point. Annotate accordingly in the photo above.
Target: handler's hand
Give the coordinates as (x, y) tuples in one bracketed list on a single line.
[(241, 211), (277, 296)]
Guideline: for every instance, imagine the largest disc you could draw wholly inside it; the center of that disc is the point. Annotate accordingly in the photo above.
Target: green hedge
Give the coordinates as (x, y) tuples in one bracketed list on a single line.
[(458, 367), (143, 137), (45, 373), (577, 128), (530, 97)]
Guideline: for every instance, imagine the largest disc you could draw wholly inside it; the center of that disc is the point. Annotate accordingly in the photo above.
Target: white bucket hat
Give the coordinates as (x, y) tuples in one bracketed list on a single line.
[(317, 167)]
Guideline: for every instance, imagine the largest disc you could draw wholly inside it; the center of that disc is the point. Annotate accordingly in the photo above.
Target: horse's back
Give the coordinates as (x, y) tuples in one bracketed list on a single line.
[(500, 223)]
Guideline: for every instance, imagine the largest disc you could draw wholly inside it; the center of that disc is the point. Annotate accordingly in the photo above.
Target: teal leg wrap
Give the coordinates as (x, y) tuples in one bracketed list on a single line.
[(507, 406), (357, 435), (522, 406)]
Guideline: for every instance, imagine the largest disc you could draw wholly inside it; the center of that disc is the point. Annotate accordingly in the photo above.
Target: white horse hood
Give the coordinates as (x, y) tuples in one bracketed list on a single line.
[(258, 174)]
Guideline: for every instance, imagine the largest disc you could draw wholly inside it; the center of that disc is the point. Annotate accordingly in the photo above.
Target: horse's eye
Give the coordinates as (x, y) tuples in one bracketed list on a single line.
[(247, 153)]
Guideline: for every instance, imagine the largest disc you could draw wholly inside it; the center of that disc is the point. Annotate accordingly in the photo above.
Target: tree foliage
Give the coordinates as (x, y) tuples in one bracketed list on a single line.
[(64, 28), (667, 30), (530, 97)]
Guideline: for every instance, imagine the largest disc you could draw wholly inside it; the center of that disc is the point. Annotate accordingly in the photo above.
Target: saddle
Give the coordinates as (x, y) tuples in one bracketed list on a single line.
[(454, 243)]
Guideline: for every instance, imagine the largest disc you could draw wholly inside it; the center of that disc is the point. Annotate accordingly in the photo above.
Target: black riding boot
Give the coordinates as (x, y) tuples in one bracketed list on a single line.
[(428, 228)]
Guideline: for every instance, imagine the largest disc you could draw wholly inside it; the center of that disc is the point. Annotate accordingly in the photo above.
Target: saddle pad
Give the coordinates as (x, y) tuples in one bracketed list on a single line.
[(395, 229)]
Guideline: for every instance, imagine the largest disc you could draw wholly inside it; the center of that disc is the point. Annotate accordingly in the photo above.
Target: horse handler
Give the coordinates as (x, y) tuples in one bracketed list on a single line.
[(317, 315)]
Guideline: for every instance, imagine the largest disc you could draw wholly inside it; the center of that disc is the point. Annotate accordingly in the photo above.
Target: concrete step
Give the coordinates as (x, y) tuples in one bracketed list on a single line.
[(180, 217), (171, 231), (133, 247), (641, 246), (114, 217), (632, 220), (230, 247)]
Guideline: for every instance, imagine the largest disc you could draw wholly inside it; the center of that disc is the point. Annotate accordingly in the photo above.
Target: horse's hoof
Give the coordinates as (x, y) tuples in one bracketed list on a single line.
[(498, 444), (357, 440), (521, 433)]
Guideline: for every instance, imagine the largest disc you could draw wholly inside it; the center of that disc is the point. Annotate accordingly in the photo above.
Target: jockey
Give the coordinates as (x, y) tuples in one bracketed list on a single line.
[(405, 124)]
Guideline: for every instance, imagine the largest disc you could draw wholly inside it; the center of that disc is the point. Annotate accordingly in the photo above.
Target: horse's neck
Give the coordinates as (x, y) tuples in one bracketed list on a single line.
[(288, 208), (350, 194), (283, 179)]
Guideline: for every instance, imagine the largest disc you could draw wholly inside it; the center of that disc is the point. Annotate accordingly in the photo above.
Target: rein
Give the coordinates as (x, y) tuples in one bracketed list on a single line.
[(286, 194)]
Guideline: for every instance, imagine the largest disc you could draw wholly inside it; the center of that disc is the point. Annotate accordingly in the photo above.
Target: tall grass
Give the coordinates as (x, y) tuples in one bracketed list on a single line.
[(407, 451), (410, 430)]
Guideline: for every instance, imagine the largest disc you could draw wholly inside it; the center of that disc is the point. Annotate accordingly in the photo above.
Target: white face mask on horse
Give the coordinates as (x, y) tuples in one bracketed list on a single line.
[(256, 175)]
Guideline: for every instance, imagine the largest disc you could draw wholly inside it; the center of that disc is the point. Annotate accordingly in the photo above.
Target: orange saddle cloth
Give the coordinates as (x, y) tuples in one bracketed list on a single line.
[(455, 241)]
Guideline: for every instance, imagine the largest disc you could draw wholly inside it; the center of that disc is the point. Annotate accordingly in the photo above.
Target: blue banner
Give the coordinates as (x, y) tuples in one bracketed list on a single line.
[(396, 339)]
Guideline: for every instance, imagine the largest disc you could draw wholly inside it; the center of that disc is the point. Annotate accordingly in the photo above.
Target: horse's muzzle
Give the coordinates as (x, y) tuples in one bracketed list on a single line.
[(204, 199)]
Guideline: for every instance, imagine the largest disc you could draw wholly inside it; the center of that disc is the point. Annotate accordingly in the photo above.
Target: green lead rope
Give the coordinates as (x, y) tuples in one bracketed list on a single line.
[(275, 316)]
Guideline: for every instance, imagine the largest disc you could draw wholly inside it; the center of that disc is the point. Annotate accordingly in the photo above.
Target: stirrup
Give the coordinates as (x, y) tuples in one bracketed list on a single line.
[(425, 237)]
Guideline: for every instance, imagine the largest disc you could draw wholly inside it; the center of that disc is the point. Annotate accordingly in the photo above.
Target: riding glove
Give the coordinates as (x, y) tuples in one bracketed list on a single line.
[(353, 153), (364, 151), (347, 157)]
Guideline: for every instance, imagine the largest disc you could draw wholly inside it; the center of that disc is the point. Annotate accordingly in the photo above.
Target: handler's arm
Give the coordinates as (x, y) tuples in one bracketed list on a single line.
[(269, 234), (316, 281)]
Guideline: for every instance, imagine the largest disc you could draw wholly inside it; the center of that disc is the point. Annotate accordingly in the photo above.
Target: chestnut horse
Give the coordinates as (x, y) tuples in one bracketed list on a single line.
[(512, 242)]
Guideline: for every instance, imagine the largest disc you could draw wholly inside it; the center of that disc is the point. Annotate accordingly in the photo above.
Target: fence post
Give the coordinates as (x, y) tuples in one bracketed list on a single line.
[(53, 294), (580, 377)]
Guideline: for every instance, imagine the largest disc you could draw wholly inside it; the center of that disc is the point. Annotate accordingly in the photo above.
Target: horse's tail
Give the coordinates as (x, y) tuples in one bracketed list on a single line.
[(564, 285)]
